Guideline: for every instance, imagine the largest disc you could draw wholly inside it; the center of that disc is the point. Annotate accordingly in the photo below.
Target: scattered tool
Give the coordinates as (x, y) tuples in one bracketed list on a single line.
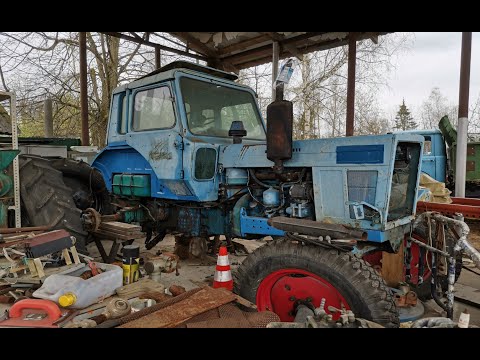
[(32, 313)]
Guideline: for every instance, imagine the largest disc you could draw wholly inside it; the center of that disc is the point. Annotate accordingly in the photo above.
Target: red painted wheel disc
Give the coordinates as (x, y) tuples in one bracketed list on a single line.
[(280, 289)]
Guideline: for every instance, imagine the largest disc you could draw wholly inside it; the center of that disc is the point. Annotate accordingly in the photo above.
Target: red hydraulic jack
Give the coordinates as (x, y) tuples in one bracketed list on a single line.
[(33, 313)]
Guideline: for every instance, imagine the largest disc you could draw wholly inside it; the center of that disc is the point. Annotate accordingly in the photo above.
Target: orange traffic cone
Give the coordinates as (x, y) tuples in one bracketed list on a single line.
[(223, 274)]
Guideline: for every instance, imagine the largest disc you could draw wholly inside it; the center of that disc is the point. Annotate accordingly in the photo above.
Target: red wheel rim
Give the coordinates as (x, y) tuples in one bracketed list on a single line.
[(280, 289), (415, 259)]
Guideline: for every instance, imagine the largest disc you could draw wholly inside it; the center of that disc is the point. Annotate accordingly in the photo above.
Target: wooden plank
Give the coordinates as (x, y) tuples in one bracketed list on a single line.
[(39, 267), (171, 316), (76, 259), (467, 294), (117, 236), (245, 302), (66, 256), (119, 225), (129, 234), (392, 267)]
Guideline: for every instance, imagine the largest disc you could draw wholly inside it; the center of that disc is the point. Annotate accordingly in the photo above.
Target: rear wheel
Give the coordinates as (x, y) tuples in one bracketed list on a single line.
[(278, 274), (46, 200), (87, 184)]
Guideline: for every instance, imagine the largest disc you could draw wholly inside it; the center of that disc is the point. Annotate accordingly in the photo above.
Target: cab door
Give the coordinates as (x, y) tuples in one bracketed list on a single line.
[(155, 133)]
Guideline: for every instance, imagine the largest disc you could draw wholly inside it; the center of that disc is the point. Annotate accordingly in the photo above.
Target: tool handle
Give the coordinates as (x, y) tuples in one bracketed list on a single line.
[(52, 310)]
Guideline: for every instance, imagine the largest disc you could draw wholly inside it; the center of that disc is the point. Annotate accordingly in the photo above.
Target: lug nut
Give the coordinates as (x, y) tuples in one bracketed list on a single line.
[(292, 298), (288, 287)]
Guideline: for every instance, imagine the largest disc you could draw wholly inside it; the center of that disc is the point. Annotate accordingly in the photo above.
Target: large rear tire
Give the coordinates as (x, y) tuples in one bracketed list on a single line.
[(281, 272), (46, 200), (87, 183)]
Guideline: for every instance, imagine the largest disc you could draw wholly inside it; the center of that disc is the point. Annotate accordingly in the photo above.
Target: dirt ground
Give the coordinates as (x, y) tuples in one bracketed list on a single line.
[(195, 272), (474, 237)]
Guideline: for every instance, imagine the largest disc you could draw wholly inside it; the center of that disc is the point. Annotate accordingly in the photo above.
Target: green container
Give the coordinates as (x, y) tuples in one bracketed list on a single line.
[(131, 185), (448, 131), (473, 160)]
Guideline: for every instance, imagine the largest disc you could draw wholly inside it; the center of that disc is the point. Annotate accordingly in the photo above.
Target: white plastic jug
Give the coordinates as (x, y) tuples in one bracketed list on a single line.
[(76, 293)]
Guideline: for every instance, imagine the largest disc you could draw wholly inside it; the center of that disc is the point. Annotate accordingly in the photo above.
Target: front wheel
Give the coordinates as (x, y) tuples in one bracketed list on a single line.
[(278, 274)]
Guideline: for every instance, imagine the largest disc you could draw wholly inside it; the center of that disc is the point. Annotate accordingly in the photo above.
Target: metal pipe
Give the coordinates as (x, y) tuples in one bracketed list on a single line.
[(462, 130), (451, 283), (433, 283), (83, 88), (462, 243), (158, 58), (47, 108), (275, 57), (352, 57)]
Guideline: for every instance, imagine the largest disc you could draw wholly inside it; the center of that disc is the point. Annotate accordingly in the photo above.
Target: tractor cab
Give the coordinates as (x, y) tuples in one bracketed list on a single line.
[(167, 127)]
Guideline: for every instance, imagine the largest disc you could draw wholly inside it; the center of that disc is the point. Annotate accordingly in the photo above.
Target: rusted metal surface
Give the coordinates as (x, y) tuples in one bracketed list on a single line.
[(314, 228), (470, 165), (24, 229), (471, 150), (205, 299), (83, 88), (279, 132), (48, 243), (404, 300), (164, 263), (176, 290), (470, 208), (352, 59), (465, 61)]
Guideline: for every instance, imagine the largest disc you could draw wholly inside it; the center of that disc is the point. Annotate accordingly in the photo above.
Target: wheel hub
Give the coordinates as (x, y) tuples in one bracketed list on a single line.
[(282, 289)]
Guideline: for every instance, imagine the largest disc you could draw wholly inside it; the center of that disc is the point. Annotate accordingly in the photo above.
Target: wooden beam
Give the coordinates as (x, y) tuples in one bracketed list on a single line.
[(149, 43), (253, 56), (200, 47), (195, 44), (280, 38), (227, 50)]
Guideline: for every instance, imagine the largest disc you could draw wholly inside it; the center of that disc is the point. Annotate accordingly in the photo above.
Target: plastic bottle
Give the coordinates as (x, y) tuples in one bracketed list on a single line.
[(76, 293), (464, 319)]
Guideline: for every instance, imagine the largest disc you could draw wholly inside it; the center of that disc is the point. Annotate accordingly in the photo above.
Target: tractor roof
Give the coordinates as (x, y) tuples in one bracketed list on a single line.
[(195, 67), (168, 71)]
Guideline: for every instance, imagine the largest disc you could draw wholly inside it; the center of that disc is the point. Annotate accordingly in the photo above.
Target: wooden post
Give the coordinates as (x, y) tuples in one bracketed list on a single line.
[(48, 118), (352, 59), (83, 88), (392, 267), (158, 58)]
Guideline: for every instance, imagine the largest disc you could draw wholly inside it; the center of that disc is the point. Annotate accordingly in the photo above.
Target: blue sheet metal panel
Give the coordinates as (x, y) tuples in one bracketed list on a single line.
[(204, 190), (318, 152), (189, 221), (257, 225), (123, 159), (214, 221), (331, 195), (360, 154), (330, 186)]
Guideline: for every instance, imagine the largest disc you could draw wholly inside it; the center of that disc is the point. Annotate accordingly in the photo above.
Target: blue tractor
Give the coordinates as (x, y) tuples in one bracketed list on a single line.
[(188, 153)]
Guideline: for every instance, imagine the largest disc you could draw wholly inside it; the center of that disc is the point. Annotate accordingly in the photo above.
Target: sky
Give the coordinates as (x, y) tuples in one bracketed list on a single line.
[(432, 61)]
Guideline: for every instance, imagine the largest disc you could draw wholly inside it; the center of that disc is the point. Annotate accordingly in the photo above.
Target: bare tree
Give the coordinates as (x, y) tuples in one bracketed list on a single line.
[(436, 107), (39, 65)]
